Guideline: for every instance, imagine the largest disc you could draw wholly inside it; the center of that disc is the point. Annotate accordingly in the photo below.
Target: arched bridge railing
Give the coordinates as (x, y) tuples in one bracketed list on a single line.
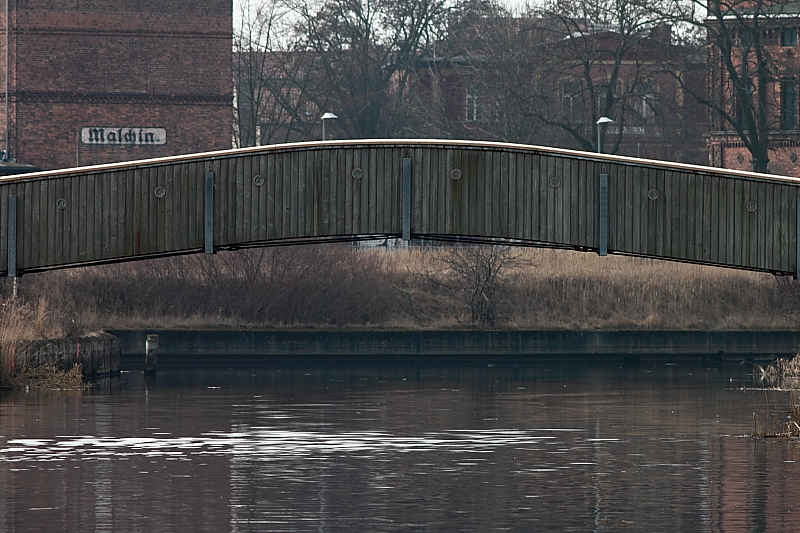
[(322, 191)]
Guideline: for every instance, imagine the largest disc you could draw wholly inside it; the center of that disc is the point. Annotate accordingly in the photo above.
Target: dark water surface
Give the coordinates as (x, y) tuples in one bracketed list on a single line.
[(529, 448)]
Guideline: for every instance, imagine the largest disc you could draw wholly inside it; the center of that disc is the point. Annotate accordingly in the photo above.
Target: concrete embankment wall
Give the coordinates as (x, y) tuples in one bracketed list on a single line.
[(98, 353), (549, 345)]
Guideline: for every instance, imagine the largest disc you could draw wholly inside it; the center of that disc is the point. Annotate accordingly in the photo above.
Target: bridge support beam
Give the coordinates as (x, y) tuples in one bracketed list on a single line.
[(12, 236), (209, 213), (406, 228), (603, 222)]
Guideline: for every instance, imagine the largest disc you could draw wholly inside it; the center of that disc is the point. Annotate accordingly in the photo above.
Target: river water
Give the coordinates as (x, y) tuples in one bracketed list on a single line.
[(531, 447)]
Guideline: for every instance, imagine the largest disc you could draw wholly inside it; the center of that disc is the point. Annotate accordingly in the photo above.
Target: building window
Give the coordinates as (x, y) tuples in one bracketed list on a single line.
[(644, 92), (473, 104), (789, 105), (570, 99), (789, 37)]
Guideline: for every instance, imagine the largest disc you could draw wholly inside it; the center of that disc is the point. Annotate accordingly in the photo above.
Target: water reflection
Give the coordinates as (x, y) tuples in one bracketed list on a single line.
[(382, 449)]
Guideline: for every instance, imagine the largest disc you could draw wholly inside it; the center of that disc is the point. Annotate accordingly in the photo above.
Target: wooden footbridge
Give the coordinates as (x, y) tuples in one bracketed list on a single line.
[(428, 189)]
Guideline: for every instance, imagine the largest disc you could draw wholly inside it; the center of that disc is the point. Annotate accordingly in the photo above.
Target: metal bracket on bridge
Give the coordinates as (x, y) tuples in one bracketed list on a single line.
[(12, 236), (406, 235), (603, 245), (209, 213)]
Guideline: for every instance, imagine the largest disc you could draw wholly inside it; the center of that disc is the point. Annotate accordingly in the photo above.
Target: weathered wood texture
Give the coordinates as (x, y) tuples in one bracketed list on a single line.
[(532, 195)]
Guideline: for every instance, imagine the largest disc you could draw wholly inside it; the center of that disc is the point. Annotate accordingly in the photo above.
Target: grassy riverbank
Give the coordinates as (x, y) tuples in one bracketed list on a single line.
[(342, 286)]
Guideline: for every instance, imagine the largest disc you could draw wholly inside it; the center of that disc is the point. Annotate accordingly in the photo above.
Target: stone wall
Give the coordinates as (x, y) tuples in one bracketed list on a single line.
[(464, 346)]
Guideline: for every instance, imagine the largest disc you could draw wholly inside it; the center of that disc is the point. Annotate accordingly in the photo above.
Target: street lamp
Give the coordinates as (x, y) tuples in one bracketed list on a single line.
[(325, 117), (600, 122)]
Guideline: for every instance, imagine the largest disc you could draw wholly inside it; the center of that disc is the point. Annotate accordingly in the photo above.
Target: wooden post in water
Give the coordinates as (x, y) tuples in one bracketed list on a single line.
[(151, 352)]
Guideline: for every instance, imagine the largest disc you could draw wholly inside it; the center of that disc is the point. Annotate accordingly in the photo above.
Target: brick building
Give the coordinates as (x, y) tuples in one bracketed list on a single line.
[(91, 82), (541, 83), (753, 76)]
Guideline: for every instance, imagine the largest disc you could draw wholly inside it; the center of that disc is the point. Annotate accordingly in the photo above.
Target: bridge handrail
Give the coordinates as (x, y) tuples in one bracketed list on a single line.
[(489, 145)]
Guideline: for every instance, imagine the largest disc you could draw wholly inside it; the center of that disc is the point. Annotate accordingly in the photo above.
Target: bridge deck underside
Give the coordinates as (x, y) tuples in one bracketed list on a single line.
[(320, 191)]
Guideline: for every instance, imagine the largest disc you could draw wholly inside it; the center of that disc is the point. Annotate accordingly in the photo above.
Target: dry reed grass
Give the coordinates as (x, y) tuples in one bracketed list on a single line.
[(20, 324), (342, 286)]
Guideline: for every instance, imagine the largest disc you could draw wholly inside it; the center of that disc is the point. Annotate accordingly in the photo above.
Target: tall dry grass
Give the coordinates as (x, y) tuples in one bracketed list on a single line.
[(343, 286), (559, 289), (21, 323)]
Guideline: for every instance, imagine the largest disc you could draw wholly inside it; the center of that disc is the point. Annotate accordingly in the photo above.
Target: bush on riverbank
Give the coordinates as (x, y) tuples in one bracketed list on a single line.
[(344, 286)]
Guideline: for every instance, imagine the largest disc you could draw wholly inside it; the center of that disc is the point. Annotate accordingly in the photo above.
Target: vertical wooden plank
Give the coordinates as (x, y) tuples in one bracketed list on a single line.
[(655, 224), (711, 221), (375, 191), (323, 161), (661, 212), (164, 209), (638, 221), (392, 175), (73, 207), (552, 218), (299, 203), (272, 185), (586, 200), (738, 230), (245, 175), (356, 190), (439, 179), (423, 182), (260, 166), (344, 169), (42, 255), (690, 208), (11, 235), (603, 212), (196, 183), (381, 183), (420, 187), (512, 197), (733, 233), (779, 217), (574, 198), (493, 194), (457, 192), (408, 166), (541, 210), (759, 237), (631, 223), (285, 204)]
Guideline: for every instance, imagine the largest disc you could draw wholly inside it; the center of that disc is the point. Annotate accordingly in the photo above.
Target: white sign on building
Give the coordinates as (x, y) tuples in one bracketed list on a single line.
[(124, 136)]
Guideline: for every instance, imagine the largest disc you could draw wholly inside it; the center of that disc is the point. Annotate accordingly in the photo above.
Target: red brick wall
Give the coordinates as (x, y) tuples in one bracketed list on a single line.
[(110, 63)]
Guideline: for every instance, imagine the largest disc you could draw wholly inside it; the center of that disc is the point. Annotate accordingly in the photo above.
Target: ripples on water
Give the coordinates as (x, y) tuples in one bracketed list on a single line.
[(577, 448)]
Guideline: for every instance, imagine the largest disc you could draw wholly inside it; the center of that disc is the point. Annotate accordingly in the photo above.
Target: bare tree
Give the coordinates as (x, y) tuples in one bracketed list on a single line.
[(747, 67), (368, 50), (278, 91), (477, 274)]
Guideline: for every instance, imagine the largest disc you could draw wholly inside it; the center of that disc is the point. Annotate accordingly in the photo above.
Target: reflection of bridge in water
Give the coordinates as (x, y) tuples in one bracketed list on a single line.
[(473, 191)]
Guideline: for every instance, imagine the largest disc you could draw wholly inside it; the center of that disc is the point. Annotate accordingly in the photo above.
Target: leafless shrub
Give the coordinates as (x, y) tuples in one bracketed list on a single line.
[(477, 275)]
